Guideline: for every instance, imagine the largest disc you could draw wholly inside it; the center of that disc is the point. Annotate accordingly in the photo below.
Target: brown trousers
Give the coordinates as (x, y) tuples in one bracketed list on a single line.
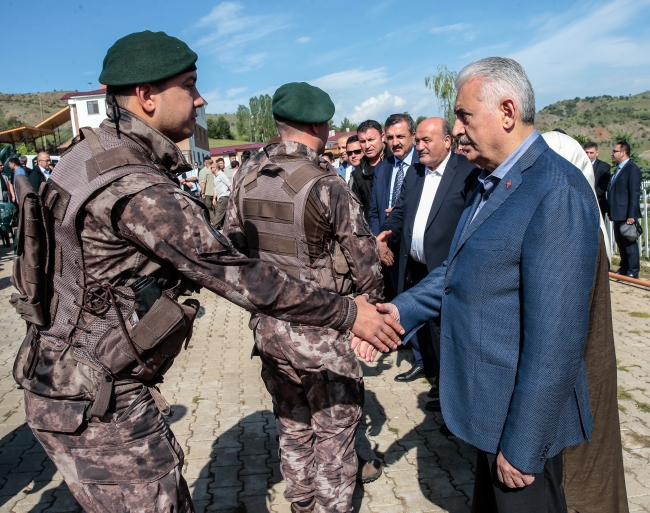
[(128, 461), (220, 211), (211, 208), (316, 384)]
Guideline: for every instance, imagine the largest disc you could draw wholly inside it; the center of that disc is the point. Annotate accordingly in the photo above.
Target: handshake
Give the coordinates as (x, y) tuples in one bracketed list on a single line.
[(376, 328)]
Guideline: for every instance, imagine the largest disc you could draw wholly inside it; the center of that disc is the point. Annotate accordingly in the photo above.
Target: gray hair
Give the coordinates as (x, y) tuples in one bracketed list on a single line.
[(502, 78), (446, 129)]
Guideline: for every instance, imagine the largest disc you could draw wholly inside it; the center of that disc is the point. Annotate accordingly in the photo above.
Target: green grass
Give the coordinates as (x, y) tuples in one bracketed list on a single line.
[(643, 315), (642, 440), (218, 143), (393, 430), (623, 395)]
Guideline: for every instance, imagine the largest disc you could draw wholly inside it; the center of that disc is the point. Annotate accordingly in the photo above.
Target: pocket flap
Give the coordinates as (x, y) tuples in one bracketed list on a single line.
[(164, 315), (140, 461), (59, 415)]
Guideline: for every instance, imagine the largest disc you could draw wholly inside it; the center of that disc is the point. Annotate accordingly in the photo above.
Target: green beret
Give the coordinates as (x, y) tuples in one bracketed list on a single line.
[(303, 103), (144, 58)]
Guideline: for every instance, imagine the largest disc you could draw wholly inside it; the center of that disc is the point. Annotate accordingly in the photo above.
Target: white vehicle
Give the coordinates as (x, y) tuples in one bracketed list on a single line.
[(31, 159)]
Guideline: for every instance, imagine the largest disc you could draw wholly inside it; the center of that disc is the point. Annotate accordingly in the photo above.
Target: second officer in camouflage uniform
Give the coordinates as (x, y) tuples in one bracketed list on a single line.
[(291, 208)]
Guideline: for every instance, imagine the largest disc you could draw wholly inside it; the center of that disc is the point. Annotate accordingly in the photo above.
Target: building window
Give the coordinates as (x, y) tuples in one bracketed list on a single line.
[(93, 107)]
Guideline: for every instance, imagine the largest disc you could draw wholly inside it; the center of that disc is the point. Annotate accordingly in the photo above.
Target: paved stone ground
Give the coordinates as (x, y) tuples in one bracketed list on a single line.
[(222, 417)]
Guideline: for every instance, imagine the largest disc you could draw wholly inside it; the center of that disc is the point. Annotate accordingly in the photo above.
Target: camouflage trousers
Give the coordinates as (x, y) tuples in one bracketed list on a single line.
[(127, 462), (316, 384)]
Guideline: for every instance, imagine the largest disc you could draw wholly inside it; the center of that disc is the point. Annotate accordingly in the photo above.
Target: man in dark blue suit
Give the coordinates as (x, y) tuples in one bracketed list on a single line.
[(390, 173), (623, 202), (389, 177), (422, 224), (512, 376)]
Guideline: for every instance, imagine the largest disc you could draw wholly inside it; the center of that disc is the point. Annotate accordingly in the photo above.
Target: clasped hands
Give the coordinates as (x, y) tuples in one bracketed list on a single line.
[(376, 328)]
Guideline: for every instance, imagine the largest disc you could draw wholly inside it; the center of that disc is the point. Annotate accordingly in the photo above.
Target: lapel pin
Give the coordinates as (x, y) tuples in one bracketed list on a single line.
[(508, 184)]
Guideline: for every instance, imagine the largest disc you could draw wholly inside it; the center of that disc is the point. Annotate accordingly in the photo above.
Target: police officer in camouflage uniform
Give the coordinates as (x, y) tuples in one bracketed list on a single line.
[(291, 208), (106, 251)]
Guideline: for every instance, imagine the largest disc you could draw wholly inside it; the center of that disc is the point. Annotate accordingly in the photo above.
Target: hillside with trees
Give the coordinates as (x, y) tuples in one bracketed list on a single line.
[(602, 119)]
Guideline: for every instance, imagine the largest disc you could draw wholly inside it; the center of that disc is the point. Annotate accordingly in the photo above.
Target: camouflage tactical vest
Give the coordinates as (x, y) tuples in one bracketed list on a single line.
[(272, 206), (91, 335)]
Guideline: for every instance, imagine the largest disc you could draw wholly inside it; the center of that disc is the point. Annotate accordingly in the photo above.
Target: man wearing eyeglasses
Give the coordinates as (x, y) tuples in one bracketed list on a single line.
[(623, 200), (362, 176), (41, 171)]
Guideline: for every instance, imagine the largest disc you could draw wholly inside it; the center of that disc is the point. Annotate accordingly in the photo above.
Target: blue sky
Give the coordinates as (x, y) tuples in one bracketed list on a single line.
[(371, 57)]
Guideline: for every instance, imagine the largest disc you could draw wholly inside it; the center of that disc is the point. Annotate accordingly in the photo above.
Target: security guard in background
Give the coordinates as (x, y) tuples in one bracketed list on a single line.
[(106, 250), (291, 208)]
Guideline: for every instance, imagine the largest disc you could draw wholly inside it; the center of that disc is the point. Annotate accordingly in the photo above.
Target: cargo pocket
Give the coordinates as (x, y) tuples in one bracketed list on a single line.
[(137, 462), (344, 389), (58, 415)]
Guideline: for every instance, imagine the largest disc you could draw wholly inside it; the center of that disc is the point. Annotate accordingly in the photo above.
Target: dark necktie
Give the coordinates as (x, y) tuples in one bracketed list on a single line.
[(397, 186), (489, 184)]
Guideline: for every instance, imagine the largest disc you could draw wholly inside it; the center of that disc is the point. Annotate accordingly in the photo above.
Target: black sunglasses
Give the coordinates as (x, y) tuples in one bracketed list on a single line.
[(354, 152)]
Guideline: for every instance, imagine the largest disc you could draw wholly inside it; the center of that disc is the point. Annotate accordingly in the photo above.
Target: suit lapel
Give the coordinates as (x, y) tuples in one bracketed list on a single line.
[(413, 201), (502, 192), (387, 191), (445, 182)]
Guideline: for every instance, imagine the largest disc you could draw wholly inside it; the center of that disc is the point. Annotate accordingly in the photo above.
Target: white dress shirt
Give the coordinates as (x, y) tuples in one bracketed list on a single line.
[(46, 171), (431, 184), (407, 163)]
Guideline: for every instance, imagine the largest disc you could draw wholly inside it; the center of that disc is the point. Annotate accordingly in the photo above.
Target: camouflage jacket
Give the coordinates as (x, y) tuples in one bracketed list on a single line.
[(332, 213), (162, 231)]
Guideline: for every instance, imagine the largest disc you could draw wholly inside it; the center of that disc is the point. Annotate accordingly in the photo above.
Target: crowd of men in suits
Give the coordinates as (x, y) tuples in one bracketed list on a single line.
[(413, 188), (416, 190)]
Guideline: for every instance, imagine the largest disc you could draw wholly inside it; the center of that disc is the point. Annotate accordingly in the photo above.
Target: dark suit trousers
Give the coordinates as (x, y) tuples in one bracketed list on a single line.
[(629, 252), (544, 495), (425, 344)]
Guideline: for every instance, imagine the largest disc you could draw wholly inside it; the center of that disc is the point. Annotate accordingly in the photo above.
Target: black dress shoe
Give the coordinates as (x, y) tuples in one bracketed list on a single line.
[(433, 393), (433, 406), (412, 375)]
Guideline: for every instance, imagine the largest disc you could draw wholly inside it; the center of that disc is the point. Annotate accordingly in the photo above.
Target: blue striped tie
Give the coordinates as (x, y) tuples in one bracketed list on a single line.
[(397, 187)]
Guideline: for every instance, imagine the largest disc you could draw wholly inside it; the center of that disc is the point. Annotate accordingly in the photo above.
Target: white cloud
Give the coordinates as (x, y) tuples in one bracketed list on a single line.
[(449, 28), (590, 54), (228, 102), (303, 40), (235, 91), (461, 30), (346, 80), (377, 107), (228, 30)]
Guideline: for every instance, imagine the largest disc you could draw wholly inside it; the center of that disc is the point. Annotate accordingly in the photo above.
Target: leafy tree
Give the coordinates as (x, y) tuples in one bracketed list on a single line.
[(254, 104), (262, 124), (10, 122), (346, 123), (443, 85), (419, 120), (243, 121), (582, 139), (219, 128)]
